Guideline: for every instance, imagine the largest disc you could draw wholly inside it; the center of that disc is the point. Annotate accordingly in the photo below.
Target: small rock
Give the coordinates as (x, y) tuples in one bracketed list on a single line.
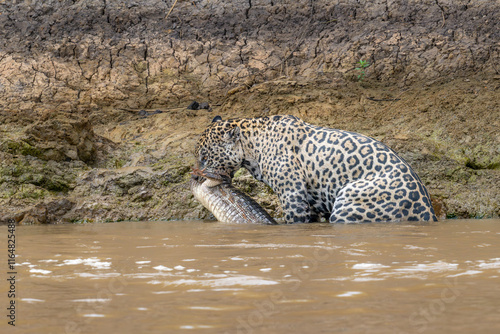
[(194, 106), (45, 213), (204, 105)]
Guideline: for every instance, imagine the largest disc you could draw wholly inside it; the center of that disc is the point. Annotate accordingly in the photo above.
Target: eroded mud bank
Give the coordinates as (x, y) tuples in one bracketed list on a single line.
[(75, 75)]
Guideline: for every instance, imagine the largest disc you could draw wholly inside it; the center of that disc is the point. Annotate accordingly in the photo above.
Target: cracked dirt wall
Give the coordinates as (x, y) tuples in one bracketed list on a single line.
[(94, 53)]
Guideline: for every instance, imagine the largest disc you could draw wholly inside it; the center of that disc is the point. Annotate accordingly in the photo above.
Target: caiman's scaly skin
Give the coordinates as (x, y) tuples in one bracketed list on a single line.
[(228, 204)]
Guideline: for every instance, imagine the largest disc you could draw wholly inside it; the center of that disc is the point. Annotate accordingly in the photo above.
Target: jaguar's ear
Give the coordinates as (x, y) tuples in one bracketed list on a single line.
[(217, 119), (233, 134)]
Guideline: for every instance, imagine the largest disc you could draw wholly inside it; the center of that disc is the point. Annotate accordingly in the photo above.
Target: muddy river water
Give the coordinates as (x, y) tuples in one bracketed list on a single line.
[(208, 277)]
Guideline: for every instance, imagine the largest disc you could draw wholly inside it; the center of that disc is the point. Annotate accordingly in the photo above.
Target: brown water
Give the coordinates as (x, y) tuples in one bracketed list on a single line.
[(205, 277)]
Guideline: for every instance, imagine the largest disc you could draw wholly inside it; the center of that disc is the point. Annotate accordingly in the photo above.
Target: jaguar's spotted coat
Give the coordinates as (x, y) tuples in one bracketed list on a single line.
[(340, 175)]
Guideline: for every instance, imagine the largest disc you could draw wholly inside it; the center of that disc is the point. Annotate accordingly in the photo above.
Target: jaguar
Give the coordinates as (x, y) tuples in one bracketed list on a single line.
[(317, 172)]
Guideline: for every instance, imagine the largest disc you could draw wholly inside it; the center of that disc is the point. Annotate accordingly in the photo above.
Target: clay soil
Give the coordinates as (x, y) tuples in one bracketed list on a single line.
[(95, 125)]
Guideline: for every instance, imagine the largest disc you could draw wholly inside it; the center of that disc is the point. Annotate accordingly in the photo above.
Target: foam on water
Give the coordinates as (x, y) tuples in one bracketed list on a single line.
[(369, 266), (162, 268), (492, 264), (92, 300), (32, 300), (94, 315), (40, 271), (195, 327), (97, 275), (350, 294), (223, 282), (467, 273), (92, 262)]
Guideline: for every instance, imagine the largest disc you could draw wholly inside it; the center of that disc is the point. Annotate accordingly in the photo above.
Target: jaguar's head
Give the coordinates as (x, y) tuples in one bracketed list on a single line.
[(219, 148)]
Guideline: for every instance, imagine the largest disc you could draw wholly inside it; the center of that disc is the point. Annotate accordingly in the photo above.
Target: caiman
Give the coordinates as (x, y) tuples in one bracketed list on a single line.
[(228, 204)]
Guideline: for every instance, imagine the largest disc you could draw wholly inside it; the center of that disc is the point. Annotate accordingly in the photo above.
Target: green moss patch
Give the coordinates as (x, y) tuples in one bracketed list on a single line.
[(49, 176), (20, 147)]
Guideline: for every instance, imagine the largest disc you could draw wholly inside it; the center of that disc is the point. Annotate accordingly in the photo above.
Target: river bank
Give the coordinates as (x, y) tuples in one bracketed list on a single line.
[(94, 119)]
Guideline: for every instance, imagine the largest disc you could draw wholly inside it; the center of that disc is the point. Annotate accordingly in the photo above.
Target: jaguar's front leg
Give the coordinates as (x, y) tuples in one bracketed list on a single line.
[(292, 193)]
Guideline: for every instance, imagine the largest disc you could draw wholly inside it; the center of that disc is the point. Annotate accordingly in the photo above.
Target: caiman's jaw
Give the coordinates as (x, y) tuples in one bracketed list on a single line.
[(223, 177)]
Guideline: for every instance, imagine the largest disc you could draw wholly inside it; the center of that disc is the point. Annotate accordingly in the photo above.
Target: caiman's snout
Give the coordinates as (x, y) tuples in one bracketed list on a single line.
[(197, 174)]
